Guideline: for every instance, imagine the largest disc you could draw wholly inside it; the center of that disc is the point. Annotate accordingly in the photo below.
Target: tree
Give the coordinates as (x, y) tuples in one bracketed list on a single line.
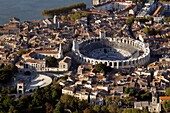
[(24, 102), (113, 108), (88, 110), (47, 93), (76, 111), (2, 65), (117, 100), (143, 95), (130, 90), (69, 102), (66, 99), (132, 110), (108, 100), (166, 105), (127, 100), (11, 67), (146, 96), (7, 90), (63, 10), (130, 20), (104, 109), (7, 101), (49, 108), (97, 108), (58, 108), (12, 109), (56, 90), (22, 51), (167, 91), (151, 31), (5, 76), (146, 30), (101, 68), (37, 97), (7, 72), (167, 19), (51, 61), (83, 104), (64, 18)]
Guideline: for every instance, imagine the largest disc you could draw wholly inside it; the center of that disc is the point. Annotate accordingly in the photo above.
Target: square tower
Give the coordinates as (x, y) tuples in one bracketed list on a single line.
[(20, 88)]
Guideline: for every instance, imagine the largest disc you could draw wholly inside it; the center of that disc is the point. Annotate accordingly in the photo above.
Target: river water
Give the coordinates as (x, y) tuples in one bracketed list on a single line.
[(30, 9)]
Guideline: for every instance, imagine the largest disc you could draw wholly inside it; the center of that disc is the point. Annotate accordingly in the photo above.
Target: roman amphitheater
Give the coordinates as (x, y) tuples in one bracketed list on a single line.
[(115, 52)]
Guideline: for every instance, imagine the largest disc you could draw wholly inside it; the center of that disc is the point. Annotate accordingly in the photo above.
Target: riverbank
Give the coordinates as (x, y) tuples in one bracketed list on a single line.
[(31, 9)]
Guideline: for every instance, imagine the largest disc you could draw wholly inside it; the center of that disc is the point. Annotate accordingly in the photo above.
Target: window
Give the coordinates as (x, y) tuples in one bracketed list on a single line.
[(20, 86), (115, 63), (120, 63), (26, 65), (110, 64), (64, 66), (20, 91)]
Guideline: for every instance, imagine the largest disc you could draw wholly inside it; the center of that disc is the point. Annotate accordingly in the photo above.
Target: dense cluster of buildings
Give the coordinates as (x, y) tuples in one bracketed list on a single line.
[(102, 38), (95, 87)]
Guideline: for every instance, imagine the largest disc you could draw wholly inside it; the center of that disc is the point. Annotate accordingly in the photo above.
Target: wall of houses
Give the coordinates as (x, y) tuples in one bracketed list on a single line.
[(104, 7), (40, 66), (119, 5)]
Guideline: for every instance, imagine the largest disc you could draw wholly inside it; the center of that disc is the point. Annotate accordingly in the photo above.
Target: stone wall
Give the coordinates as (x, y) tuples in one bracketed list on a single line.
[(140, 60)]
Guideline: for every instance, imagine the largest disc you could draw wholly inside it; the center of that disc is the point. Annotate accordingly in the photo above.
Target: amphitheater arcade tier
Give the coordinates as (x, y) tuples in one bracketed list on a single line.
[(115, 52)]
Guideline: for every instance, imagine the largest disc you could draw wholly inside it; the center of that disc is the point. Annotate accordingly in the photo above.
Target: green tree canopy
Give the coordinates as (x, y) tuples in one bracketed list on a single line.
[(130, 90), (167, 19), (132, 110), (144, 19), (97, 108), (113, 108), (101, 68), (7, 72), (151, 31), (51, 61), (63, 10), (104, 109), (73, 16), (89, 110), (167, 91), (130, 20), (49, 108), (143, 95), (7, 90), (22, 51), (58, 108), (166, 105)]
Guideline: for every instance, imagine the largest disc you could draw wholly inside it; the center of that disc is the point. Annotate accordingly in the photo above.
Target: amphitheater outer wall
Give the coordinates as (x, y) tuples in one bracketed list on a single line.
[(139, 61)]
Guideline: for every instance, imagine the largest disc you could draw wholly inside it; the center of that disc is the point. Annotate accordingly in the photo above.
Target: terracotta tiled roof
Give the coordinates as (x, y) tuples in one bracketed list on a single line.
[(34, 61), (46, 49), (100, 77), (164, 97), (85, 75), (47, 52)]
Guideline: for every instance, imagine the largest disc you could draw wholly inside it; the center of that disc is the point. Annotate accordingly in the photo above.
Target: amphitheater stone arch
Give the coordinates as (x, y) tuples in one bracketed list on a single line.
[(116, 52)]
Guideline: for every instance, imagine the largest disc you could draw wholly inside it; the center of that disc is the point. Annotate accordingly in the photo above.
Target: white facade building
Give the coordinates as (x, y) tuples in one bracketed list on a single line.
[(35, 61)]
